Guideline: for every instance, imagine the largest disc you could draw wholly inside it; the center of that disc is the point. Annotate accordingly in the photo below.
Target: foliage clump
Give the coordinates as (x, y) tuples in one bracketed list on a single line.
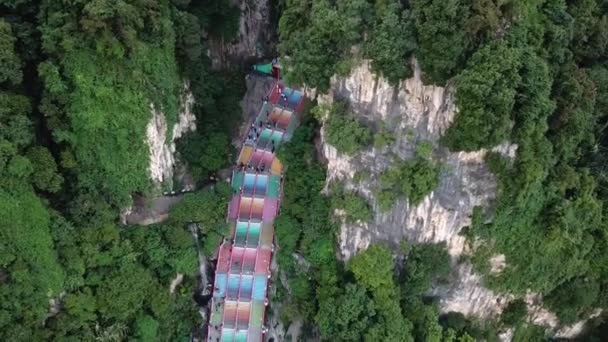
[(383, 137), (78, 82), (414, 179), (347, 302), (304, 227), (355, 206), (486, 92), (318, 37), (343, 131), (391, 43)]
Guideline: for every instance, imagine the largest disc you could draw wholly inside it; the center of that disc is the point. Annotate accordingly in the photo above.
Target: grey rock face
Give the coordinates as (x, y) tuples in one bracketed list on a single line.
[(162, 149), (414, 112), (164, 165)]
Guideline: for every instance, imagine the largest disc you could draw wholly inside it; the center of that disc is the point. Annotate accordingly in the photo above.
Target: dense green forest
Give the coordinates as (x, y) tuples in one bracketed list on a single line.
[(77, 79)]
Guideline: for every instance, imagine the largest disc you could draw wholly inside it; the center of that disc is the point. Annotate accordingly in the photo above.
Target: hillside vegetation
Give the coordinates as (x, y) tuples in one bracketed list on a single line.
[(532, 73), (77, 80)]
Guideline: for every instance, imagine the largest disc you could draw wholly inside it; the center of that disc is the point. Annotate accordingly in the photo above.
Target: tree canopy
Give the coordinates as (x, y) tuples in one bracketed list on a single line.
[(78, 81)]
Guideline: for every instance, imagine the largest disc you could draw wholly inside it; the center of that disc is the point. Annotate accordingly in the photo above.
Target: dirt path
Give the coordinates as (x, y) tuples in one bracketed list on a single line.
[(148, 211)]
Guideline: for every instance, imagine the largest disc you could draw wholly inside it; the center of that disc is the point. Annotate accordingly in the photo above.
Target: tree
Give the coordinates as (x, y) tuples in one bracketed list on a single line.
[(45, 176), (182, 256), (188, 47), (425, 263), (81, 306), (355, 206), (207, 208), (429, 329), (287, 233), (573, 299), (466, 338), (599, 76), (343, 131), (218, 17), (205, 153), (373, 268), (122, 293), (391, 43), (514, 312), (486, 92), (30, 270), (10, 64), (414, 179), (317, 36), (590, 39), (346, 317), (572, 123), (147, 328), (530, 332), (442, 37), (15, 124)]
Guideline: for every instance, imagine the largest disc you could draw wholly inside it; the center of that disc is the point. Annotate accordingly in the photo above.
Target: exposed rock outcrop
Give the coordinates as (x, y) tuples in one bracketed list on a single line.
[(414, 112), (179, 277), (162, 147), (55, 305), (163, 163)]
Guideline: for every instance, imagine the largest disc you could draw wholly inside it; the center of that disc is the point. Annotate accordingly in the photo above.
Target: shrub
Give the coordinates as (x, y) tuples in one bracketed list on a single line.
[(383, 139), (386, 199), (391, 43), (344, 132), (514, 312), (414, 179), (356, 207)]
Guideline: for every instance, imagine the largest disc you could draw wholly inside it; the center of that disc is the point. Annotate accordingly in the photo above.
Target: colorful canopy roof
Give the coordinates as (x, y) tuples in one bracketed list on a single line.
[(243, 265)]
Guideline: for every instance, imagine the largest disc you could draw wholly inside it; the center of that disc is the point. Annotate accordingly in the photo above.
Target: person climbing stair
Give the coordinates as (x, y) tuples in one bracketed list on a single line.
[(259, 161)]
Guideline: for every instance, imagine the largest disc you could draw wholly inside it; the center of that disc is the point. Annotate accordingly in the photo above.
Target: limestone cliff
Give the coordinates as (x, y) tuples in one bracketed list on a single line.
[(415, 112), (162, 145)]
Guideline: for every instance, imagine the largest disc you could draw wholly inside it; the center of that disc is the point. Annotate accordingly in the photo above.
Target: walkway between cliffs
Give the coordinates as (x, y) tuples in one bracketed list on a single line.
[(243, 266)]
